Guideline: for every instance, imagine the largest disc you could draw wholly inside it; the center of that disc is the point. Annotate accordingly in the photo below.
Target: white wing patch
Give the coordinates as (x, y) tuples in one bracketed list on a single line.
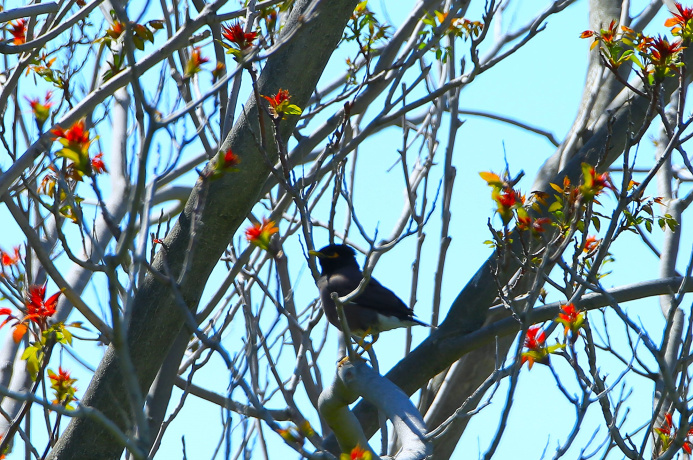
[(385, 323)]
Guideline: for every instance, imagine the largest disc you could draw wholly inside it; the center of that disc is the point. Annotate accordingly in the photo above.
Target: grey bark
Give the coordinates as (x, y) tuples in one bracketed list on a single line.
[(222, 205), (355, 379)]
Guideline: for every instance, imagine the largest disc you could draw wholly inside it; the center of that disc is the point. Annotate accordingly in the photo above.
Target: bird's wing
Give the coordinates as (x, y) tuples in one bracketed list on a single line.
[(376, 296), (341, 283), (383, 300)]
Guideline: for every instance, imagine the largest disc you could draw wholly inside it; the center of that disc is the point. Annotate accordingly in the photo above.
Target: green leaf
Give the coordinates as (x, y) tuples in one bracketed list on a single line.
[(429, 21), (156, 24), (33, 357), (292, 109), (555, 206)]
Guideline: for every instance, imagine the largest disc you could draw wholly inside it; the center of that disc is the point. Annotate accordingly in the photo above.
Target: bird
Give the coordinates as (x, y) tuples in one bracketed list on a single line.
[(375, 310)]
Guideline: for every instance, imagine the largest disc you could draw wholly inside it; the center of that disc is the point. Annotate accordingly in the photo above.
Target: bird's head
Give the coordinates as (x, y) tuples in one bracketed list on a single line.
[(334, 257)]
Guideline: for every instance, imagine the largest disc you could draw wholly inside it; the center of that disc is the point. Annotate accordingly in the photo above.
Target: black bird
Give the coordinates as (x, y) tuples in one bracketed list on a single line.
[(375, 310)]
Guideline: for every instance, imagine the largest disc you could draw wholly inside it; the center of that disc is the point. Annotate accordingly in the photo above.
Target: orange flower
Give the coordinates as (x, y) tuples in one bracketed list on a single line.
[(524, 222), (591, 243), (18, 31), (218, 70), (196, 60), (116, 30), (290, 435), (63, 386), (238, 37), (680, 21), (609, 34), (260, 235)]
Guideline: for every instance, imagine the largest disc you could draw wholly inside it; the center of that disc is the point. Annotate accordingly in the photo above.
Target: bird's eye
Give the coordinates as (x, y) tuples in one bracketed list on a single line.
[(334, 255)]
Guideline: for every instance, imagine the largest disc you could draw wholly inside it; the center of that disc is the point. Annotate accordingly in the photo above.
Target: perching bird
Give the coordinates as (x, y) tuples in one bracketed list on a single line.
[(375, 310)]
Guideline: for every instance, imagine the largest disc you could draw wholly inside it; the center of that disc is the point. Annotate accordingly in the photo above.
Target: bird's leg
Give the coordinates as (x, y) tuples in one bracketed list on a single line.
[(367, 346)]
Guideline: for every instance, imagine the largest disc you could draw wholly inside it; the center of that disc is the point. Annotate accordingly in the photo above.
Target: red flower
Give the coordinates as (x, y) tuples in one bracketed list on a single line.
[(280, 104), (231, 159), (537, 350), (535, 338), (260, 235), (62, 377), (359, 453), (667, 425), (510, 198), (524, 222), (569, 313), (279, 98), (593, 183), (37, 309), (97, 164), (662, 50), (41, 110), (223, 163), (6, 312), (7, 260), (572, 320), (538, 224), (75, 142), (76, 134), (684, 16), (506, 201), (237, 36), (18, 31)]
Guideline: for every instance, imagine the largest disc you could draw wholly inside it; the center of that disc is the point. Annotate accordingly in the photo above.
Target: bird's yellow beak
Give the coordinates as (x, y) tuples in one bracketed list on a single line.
[(322, 255)]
